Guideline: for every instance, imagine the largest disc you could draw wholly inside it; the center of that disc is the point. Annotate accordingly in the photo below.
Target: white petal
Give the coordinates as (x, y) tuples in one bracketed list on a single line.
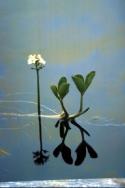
[(29, 61), (32, 59), (41, 60)]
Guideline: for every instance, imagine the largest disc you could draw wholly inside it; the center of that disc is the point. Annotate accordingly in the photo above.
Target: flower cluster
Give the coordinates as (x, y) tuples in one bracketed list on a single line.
[(37, 60)]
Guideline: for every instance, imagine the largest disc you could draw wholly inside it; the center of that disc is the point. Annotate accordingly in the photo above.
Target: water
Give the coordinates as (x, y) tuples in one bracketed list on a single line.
[(19, 138)]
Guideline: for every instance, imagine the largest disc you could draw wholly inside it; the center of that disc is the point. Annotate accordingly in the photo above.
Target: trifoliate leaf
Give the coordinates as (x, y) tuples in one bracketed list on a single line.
[(79, 82), (62, 80), (80, 76), (55, 90), (63, 90), (89, 79)]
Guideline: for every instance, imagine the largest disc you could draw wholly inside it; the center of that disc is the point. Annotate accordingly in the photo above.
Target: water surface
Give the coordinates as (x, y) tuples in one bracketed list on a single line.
[(19, 137)]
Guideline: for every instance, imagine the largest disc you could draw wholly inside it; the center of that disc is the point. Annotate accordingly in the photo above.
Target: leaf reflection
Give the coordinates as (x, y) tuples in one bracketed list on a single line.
[(81, 153), (81, 149), (66, 154)]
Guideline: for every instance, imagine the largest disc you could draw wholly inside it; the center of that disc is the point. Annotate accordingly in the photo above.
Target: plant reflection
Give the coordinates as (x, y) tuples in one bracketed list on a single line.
[(65, 151), (40, 157), (62, 148)]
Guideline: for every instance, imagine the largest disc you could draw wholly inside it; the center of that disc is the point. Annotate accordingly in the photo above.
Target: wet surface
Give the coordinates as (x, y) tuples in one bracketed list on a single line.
[(19, 138)]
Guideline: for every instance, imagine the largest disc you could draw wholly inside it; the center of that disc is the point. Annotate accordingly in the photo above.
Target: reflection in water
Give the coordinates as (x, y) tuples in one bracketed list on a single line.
[(66, 151), (40, 157), (26, 135), (62, 148)]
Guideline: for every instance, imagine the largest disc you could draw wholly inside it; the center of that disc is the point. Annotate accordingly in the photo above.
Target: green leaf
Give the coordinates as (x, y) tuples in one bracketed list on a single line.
[(55, 90), (79, 82), (62, 80), (89, 79), (80, 76), (63, 90)]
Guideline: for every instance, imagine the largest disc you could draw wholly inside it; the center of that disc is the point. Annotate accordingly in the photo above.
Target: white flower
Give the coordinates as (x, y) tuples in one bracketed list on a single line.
[(36, 59)]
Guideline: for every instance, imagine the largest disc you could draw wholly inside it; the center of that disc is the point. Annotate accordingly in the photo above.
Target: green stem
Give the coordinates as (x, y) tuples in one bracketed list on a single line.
[(63, 108), (73, 116), (38, 108), (81, 103)]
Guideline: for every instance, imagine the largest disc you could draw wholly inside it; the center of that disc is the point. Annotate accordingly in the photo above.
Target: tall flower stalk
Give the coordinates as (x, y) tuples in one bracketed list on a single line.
[(38, 63), (39, 110)]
